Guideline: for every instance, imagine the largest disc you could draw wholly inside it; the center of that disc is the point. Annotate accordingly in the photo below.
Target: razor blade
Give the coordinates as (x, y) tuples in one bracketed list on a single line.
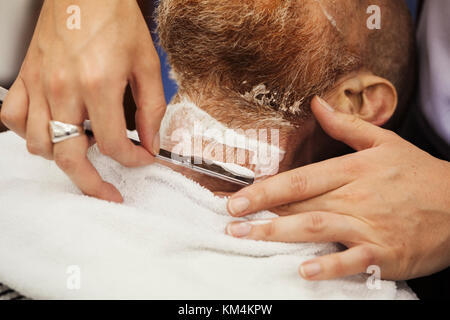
[(213, 169), (209, 168)]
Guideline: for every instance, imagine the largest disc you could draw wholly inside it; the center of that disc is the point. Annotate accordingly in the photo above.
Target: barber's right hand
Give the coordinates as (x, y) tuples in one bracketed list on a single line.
[(70, 75)]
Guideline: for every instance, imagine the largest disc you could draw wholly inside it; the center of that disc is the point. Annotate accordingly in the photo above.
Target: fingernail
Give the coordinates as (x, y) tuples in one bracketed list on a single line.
[(325, 104), (309, 270), (239, 230), (238, 205), (156, 143)]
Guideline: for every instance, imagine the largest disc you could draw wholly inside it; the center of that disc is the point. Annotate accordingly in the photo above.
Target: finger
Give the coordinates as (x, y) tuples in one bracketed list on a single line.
[(295, 185), (70, 156), (64, 99), (222, 194), (66, 104), (14, 110), (337, 265), (105, 109), (350, 198), (323, 202), (37, 132), (307, 227), (348, 128), (332, 201), (148, 93)]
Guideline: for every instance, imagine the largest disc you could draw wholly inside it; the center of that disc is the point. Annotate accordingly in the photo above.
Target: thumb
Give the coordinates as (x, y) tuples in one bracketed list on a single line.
[(148, 94), (348, 128)]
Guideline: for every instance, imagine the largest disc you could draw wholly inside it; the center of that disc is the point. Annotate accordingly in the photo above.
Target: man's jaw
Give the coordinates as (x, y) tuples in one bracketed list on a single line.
[(190, 131)]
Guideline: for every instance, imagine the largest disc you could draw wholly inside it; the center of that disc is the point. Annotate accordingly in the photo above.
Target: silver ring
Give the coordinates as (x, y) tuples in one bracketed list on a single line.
[(60, 131)]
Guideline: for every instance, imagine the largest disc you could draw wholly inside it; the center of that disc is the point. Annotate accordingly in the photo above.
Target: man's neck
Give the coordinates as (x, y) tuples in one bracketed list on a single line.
[(221, 131)]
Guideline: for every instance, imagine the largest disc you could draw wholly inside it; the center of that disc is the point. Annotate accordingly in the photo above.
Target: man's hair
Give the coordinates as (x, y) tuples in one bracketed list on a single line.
[(274, 58)]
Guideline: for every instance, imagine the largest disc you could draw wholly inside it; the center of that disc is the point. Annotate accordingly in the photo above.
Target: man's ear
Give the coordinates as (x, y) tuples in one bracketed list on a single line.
[(367, 96)]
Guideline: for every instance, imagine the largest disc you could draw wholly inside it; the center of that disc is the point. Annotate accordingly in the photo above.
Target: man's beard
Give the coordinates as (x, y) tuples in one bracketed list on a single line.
[(276, 58)]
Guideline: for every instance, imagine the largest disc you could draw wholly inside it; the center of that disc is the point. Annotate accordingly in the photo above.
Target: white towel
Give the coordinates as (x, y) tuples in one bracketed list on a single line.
[(166, 241)]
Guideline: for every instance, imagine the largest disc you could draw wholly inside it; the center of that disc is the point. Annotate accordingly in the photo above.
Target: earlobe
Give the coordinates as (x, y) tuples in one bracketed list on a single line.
[(371, 98)]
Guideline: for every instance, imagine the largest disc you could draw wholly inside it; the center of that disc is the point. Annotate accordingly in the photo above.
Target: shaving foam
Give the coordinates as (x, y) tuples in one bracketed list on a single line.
[(185, 120), (236, 169)]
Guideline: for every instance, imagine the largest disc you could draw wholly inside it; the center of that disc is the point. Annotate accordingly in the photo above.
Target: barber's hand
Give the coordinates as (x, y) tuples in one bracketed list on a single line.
[(70, 75), (389, 204)]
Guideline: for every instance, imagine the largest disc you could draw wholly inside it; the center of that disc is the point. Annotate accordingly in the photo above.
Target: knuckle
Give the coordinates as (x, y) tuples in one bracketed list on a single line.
[(298, 183), (110, 148), (56, 82), (155, 107), (269, 230), (93, 79), (259, 195), (159, 107), (390, 134), (338, 266), (392, 173), (65, 161), (353, 166), (31, 75), (316, 222), (354, 121), (35, 148), (393, 137), (8, 116)]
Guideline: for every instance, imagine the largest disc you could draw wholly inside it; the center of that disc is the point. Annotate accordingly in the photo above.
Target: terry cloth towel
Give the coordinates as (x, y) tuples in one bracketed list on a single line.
[(166, 241)]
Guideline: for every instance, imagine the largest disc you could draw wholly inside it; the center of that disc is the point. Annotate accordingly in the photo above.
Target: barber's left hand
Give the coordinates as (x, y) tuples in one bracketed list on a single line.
[(389, 204)]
